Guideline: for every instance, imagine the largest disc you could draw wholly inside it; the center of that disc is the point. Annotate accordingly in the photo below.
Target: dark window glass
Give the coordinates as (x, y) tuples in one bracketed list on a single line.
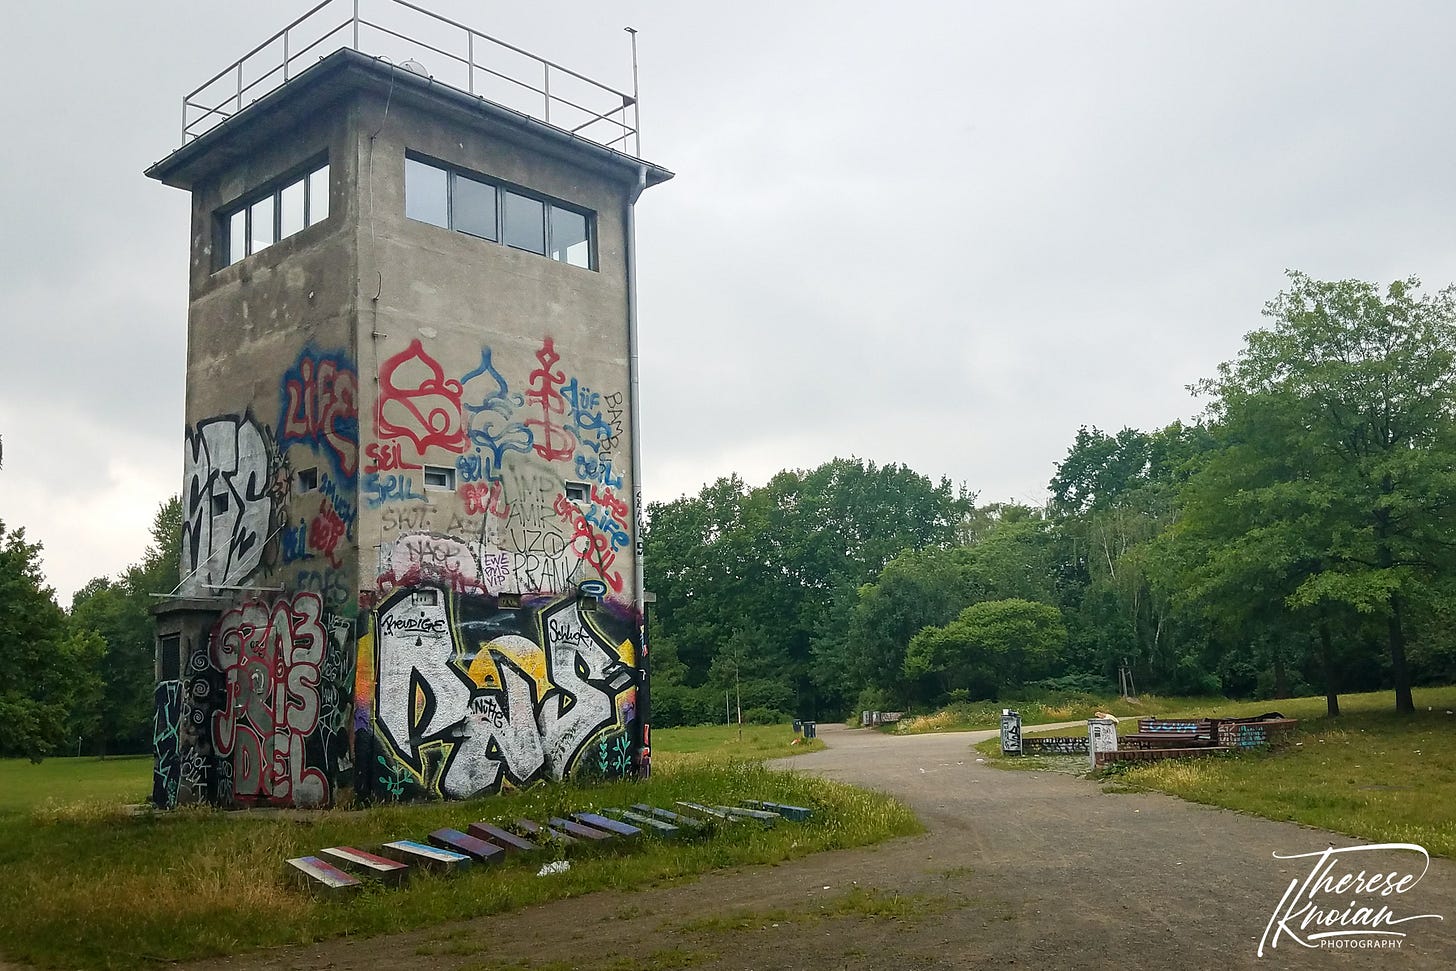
[(237, 236), (171, 648), (569, 242), (426, 197), (473, 207), (260, 224), (290, 210), (524, 223), (318, 195)]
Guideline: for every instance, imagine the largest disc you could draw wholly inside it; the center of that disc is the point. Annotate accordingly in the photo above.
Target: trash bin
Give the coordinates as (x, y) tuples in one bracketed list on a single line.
[(809, 728), (798, 725)]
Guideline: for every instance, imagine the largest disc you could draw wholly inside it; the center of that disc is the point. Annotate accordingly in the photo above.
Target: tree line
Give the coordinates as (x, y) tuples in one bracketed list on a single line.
[(81, 681), (1298, 537)]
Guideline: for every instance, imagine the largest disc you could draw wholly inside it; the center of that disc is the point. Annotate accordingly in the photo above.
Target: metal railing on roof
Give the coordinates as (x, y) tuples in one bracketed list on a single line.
[(473, 62)]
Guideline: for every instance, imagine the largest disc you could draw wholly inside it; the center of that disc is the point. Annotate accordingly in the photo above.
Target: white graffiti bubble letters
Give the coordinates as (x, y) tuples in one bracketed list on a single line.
[(499, 731), (587, 675), (416, 650), (226, 479)]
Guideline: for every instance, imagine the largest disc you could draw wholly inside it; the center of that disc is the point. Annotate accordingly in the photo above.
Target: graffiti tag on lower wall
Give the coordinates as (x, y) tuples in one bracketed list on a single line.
[(279, 720), (469, 698)]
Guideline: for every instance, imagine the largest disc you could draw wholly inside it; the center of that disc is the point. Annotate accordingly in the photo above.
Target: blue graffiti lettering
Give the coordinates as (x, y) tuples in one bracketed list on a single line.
[(490, 421), (379, 489)]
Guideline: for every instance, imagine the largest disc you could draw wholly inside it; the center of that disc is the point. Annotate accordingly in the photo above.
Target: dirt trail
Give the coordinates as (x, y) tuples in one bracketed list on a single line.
[(1020, 869)]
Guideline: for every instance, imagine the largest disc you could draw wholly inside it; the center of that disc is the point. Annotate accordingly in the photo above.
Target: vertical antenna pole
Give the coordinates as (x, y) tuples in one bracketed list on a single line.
[(356, 25), (636, 98)]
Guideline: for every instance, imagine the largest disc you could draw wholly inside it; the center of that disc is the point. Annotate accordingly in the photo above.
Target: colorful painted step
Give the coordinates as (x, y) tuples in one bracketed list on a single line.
[(797, 813), (312, 873), (647, 824), (610, 825), (768, 819), (367, 864), (503, 838), (588, 833), (471, 846), (714, 812), (544, 832), (669, 816), (423, 855)]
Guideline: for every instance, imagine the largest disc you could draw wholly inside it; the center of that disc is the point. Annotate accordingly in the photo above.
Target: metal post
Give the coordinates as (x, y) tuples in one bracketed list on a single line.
[(546, 88), (356, 25), (184, 119), (470, 59), (240, 85), (285, 55), (636, 99)]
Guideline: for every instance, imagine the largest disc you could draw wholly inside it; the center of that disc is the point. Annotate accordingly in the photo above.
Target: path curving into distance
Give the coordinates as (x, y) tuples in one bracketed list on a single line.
[(1035, 870)]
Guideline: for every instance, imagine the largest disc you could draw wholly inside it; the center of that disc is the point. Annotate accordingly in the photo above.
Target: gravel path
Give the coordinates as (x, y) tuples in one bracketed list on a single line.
[(1019, 869)]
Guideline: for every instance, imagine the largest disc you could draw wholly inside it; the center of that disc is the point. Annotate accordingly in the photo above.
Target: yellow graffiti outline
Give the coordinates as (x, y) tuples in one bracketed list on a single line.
[(624, 651)]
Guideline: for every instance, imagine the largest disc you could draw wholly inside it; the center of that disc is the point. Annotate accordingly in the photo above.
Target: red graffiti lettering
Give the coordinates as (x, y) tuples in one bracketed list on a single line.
[(386, 458), (553, 441), (325, 532), (485, 497), (321, 409), (271, 658), (417, 402), (616, 507), (589, 545)]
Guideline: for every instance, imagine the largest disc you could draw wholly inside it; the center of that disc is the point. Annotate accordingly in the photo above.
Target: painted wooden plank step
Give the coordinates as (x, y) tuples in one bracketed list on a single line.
[(367, 864), (503, 838), (797, 813), (545, 832), (648, 824), (471, 846), (589, 833), (667, 815), (314, 874), (424, 855), (768, 819), (610, 825), (712, 811)]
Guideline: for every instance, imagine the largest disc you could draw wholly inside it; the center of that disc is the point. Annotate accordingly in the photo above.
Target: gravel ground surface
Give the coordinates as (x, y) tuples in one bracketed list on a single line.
[(1019, 869)]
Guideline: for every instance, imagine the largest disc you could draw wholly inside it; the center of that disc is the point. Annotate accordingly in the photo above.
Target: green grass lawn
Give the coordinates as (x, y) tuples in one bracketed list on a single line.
[(88, 884), (1370, 773), (714, 742)]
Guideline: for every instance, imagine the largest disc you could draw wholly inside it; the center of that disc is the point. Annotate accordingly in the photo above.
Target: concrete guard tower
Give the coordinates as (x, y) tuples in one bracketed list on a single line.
[(411, 565)]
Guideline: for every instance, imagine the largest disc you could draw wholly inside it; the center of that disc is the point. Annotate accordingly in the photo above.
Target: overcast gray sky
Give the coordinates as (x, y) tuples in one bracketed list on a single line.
[(942, 234)]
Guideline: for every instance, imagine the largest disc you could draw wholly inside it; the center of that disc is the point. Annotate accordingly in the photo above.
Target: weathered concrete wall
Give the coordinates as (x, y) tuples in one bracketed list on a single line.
[(374, 635), (511, 369)]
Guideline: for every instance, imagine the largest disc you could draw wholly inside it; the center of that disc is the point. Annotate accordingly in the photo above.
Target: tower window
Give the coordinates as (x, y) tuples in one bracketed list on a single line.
[(439, 477), (307, 479), (470, 204), (275, 213)]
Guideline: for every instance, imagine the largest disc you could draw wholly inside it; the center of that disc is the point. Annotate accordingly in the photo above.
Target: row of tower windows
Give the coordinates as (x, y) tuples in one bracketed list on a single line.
[(453, 199), (434, 194), (277, 214)]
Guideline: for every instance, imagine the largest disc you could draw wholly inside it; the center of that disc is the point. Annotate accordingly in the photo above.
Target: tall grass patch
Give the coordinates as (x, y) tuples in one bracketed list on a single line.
[(94, 887)]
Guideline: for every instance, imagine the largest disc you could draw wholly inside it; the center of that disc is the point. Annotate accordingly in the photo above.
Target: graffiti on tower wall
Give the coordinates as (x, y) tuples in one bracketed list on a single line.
[(232, 481), (514, 447), (490, 643), (469, 697)]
